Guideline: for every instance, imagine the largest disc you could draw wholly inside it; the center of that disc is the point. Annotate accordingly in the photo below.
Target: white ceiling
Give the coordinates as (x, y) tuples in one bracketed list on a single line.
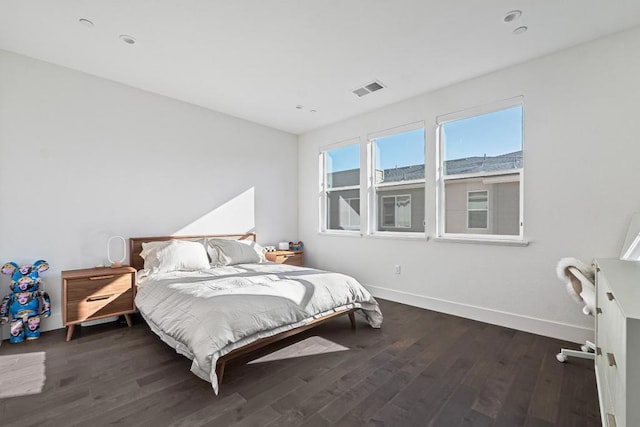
[(258, 59)]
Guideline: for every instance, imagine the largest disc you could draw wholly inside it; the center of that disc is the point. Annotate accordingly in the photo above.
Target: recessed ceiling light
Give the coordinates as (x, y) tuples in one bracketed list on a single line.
[(313, 111), (520, 30), (85, 22), (127, 39), (299, 107), (512, 16)]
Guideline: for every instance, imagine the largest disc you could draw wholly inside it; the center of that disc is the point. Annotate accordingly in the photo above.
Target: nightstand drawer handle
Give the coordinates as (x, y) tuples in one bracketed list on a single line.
[(612, 359), (99, 298), (610, 296), (289, 255), (102, 277)]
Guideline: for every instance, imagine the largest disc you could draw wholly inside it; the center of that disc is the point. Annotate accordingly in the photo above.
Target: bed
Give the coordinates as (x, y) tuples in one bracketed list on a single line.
[(218, 308)]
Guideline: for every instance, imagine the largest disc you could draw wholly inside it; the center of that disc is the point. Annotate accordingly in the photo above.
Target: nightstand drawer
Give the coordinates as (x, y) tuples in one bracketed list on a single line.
[(104, 304), (98, 285), (287, 257)]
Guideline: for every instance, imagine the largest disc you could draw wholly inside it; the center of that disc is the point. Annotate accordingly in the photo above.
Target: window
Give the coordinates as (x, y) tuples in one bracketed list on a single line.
[(350, 213), (396, 211), (340, 188), (477, 209), (396, 176), (480, 173)]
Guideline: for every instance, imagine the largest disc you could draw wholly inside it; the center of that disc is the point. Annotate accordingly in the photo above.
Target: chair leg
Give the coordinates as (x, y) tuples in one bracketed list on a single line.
[(565, 353), (588, 347)]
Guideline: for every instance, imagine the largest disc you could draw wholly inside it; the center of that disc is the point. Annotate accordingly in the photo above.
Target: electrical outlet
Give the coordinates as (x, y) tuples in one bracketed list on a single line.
[(397, 268)]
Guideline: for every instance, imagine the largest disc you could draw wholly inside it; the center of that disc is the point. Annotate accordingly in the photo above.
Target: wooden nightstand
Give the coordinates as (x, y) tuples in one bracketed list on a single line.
[(287, 257), (96, 293)]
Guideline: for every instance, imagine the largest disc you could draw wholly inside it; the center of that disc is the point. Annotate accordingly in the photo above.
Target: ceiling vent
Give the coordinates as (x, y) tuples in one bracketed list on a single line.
[(368, 88)]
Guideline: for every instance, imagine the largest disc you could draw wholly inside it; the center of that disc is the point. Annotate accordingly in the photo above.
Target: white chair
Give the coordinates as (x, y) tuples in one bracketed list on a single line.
[(579, 281)]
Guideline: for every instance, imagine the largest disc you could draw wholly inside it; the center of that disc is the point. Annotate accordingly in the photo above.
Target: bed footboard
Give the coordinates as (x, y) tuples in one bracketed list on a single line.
[(239, 352)]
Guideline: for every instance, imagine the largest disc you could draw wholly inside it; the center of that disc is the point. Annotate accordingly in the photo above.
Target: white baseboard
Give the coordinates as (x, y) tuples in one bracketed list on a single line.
[(52, 322), (563, 331), (55, 322), (46, 324)]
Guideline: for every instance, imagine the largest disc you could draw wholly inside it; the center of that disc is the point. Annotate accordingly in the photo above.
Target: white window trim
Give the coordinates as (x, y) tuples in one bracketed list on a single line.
[(480, 239), (402, 235), (396, 130), (395, 210), (323, 219), (345, 188), (477, 210), (412, 183), (441, 235), (478, 110)]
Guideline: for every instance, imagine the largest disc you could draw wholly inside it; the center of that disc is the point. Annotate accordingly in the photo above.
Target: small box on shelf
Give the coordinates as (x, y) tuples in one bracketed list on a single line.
[(296, 246)]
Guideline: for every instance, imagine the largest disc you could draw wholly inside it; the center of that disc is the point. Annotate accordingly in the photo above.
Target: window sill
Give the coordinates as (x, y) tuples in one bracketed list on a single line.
[(398, 235), (477, 241), (340, 233)]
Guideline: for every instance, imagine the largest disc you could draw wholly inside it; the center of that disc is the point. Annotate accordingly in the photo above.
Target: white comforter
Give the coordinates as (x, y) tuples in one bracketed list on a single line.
[(206, 314)]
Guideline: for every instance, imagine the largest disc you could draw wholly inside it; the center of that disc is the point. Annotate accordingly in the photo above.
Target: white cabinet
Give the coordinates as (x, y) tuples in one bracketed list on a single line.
[(618, 341)]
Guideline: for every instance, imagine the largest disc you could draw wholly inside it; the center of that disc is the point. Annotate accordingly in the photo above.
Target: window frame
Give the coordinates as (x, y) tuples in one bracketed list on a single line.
[(469, 210), (323, 191), (374, 210), (395, 210), (441, 178)]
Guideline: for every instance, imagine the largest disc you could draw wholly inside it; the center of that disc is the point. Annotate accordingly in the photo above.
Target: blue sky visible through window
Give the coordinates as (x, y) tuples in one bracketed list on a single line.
[(403, 149), (494, 133), (343, 158)]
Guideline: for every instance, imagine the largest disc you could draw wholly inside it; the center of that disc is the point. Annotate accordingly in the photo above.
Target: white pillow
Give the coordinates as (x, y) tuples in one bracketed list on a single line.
[(230, 252), (174, 255)]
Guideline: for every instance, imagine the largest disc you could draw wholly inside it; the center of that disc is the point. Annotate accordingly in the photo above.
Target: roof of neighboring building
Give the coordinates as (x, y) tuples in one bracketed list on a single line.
[(484, 164), (404, 173), (452, 167)]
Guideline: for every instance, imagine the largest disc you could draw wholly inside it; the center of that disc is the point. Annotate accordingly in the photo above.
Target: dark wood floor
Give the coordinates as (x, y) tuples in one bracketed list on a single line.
[(423, 368)]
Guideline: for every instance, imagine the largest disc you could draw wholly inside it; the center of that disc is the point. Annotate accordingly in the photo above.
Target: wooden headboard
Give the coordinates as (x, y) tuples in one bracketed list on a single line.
[(135, 244)]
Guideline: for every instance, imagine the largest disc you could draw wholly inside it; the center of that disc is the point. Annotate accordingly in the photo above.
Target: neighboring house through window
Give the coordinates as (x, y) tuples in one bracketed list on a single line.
[(397, 184), (396, 211), (340, 187), (349, 213), (480, 173), (477, 209)]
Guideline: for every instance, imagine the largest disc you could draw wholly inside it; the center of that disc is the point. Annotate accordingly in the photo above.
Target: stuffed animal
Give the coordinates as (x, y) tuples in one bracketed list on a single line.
[(293, 246), (26, 304)]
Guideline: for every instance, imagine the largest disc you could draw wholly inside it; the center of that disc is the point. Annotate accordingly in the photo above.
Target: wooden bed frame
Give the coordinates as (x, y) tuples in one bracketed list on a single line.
[(136, 261)]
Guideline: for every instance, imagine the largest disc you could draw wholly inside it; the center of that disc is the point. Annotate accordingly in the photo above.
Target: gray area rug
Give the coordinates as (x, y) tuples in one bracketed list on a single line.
[(22, 374)]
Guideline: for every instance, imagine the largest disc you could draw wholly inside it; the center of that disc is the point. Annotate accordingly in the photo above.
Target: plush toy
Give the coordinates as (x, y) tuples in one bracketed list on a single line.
[(293, 246), (26, 304)]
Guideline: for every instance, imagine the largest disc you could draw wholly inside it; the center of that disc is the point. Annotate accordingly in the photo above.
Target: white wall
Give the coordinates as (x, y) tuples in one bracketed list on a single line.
[(581, 185), (85, 158)]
